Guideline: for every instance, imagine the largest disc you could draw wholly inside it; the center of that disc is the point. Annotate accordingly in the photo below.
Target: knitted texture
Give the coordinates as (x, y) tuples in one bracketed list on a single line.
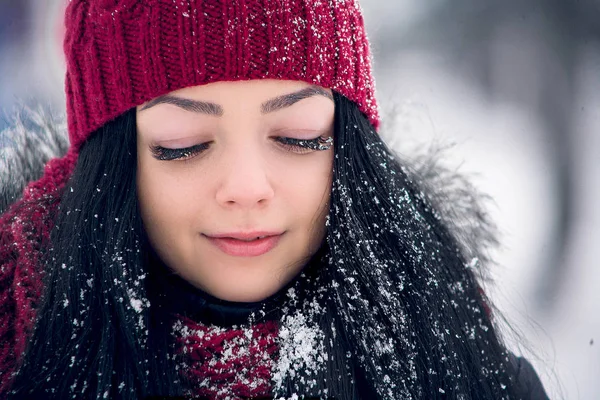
[(122, 53), (23, 232), (227, 363)]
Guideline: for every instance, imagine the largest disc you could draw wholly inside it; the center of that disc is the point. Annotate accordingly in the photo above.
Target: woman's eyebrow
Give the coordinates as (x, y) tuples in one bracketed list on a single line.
[(200, 107), (289, 99), (269, 106)]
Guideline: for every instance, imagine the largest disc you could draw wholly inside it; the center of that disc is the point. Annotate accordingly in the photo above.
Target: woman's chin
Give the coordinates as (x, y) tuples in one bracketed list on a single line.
[(244, 297), (244, 292)]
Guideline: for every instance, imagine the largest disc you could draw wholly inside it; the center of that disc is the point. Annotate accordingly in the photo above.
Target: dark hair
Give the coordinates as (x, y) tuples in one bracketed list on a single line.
[(402, 315), (95, 333)]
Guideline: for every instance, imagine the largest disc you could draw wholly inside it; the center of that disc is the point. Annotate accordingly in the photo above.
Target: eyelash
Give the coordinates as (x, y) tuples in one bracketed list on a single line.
[(299, 146)]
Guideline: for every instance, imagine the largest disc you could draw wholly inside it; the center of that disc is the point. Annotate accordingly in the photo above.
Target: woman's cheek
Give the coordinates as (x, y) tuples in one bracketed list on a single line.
[(157, 198)]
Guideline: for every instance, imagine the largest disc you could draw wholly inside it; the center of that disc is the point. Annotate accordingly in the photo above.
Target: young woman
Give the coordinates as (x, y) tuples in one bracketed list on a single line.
[(228, 224)]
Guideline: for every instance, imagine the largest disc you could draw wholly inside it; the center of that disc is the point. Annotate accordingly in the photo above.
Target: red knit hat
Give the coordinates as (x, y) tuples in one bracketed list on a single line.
[(122, 53)]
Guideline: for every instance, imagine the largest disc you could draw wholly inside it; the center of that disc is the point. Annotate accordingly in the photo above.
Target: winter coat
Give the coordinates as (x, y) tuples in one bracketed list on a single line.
[(211, 341)]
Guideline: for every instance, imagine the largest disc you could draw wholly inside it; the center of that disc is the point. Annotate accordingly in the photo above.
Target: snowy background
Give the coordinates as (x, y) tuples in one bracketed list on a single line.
[(516, 86)]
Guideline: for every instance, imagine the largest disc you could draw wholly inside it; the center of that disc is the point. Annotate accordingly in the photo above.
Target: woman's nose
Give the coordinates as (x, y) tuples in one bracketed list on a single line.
[(244, 180)]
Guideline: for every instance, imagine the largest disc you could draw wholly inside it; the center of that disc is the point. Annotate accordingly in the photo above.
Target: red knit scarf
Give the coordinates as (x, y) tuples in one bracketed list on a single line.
[(227, 363)]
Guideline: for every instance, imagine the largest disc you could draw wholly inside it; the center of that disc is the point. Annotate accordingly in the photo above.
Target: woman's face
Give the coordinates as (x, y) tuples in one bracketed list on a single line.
[(222, 164)]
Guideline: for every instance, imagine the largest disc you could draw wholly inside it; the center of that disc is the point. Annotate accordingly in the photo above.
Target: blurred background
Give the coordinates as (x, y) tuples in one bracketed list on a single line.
[(515, 87)]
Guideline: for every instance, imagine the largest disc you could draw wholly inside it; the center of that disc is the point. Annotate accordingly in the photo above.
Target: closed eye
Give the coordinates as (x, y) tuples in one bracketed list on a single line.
[(299, 146), (302, 146), (167, 154)]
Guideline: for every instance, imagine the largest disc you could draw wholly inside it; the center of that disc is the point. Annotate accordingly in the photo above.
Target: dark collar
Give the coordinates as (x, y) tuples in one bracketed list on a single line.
[(183, 298), (178, 296)]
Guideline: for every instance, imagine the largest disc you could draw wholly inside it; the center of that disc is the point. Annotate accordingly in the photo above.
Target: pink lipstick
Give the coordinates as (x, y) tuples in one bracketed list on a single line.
[(246, 244)]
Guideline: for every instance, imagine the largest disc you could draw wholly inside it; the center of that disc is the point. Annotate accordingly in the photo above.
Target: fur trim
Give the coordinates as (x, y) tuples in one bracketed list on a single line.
[(460, 205), (426, 156), (36, 137)]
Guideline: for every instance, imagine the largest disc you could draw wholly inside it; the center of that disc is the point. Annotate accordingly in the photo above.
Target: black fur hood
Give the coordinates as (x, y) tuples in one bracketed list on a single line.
[(35, 136)]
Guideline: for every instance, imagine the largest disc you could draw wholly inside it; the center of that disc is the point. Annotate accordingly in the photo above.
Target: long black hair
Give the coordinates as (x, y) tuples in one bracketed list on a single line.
[(396, 300), (96, 335)]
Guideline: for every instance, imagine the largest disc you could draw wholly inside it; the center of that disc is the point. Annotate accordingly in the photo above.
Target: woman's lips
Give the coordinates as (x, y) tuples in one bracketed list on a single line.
[(244, 247)]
